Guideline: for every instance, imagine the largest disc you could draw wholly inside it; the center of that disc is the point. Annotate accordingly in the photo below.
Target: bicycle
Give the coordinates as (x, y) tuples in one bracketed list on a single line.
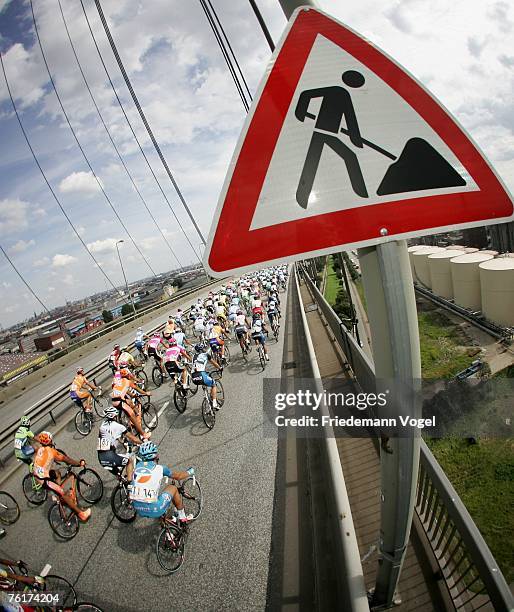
[(48, 583), (262, 355), (181, 393), (246, 347), (208, 410), (216, 353), (63, 521), (84, 419), (121, 505), (275, 327), (149, 416), (171, 541), (9, 509), (141, 375)]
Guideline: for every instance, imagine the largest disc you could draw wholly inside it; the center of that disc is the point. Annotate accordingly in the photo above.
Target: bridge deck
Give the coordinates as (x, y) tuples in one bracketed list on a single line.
[(361, 467)]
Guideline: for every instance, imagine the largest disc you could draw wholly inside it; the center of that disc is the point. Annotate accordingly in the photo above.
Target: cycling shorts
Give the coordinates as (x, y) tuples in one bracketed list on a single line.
[(26, 456), (232, 317), (77, 399), (240, 331), (202, 378), (111, 459), (139, 345), (152, 352), (259, 338), (155, 509), (173, 367), (50, 484), (216, 342)]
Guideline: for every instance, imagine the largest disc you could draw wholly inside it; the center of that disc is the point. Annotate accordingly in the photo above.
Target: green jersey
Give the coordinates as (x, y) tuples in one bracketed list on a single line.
[(21, 439)]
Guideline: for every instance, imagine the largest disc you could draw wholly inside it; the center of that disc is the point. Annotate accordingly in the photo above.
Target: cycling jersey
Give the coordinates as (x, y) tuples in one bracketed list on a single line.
[(174, 353), (44, 459), (22, 447), (257, 327), (233, 309), (125, 359), (140, 335), (78, 383), (200, 362), (180, 338), (120, 388), (146, 482), (108, 435), (154, 342)]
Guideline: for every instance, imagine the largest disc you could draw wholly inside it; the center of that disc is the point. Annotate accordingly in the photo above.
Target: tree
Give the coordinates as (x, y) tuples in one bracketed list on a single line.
[(177, 282), (107, 316), (126, 309)]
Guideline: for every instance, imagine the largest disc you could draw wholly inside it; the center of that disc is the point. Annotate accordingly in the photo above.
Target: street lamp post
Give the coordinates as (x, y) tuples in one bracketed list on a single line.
[(125, 278)]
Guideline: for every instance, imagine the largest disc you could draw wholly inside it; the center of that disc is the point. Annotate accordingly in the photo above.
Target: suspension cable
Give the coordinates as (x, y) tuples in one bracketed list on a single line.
[(80, 146), (263, 25), (143, 117), (225, 54), (22, 279), (134, 133), (112, 140), (15, 108)]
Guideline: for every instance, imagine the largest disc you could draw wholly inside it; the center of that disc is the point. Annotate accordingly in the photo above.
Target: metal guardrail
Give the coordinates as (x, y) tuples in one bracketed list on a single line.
[(352, 590), (46, 406), (472, 576), (109, 327)]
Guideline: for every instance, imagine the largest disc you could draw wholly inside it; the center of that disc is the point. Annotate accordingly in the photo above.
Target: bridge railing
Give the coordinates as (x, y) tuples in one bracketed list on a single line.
[(58, 400), (109, 327), (472, 576)]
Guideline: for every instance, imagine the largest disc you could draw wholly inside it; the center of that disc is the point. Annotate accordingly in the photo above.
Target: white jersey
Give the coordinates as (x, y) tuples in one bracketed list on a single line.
[(140, 336), (180, 337), (146, 483), (233, 309), (240, 320), (257, 326), (108, 435), (200, 362)]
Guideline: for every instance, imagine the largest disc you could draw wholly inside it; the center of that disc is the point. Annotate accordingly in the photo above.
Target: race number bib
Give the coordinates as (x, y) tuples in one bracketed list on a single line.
[(103, 444), (143, 494), (18, 444)]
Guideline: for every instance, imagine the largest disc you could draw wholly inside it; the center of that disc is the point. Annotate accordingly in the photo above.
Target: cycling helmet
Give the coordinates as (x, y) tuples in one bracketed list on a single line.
[(139, 329), (172, 341), (110, 412), (256, 315), (147, 451), (45, 438), (25, 421), (199, 348), (116, 346), (124, 372), (80, 370), (239, 312)]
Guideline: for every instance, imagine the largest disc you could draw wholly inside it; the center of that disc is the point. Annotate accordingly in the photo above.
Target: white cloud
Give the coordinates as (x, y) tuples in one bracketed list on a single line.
[(60, 260), (43, 261), (68, 279), (102, 246), (13, 215), (83, 183), (6, 285), (21, 245), (50, 289)]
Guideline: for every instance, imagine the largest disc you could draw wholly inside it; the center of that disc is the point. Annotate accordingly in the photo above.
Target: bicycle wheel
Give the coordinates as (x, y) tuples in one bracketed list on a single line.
[(57, 584), (180, 400), (262, 358), (83, 422), (90, 486), (149, 416), (121, 505), (9, 509), (192, 497), (143, 378), (99, 404), (208, 414), (157, 376), (170, 548), (227, 355), (63, 521), (85, 606), (34, 491), (220, 393)]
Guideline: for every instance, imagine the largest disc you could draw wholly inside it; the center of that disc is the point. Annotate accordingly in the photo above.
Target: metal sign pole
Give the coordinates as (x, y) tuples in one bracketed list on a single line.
[(289, 6), (387, 281)]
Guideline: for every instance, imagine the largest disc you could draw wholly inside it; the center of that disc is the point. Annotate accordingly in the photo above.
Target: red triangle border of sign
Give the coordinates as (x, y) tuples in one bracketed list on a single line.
[(235, 246)]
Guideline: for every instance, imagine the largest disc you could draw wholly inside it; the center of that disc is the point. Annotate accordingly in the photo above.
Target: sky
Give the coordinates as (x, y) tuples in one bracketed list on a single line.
[(462, 51)]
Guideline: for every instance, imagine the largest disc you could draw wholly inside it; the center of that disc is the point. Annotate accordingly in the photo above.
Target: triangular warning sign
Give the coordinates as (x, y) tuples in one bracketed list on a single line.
[(343, 148)]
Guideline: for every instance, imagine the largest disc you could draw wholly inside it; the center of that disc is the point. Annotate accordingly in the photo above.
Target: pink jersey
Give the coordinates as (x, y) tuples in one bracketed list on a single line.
[(173, 353), (154, 342)]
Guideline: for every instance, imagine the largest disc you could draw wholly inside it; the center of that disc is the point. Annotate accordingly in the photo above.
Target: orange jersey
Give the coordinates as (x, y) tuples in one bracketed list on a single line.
[(120, 387), (44, 459), (78, 382)]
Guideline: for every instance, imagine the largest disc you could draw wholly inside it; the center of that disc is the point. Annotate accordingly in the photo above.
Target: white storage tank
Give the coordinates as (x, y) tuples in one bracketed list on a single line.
[(471, 250), (440, 272), (497, 286), (489, 252), (411, 250), (421, 273), (466, 279), (454, 247)]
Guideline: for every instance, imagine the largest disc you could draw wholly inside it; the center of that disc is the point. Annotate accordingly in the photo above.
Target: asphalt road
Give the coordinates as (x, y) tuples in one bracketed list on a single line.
[(227, 554), (15, 407)]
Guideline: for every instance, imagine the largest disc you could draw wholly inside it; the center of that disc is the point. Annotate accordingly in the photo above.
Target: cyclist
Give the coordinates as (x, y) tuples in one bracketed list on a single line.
[(145, 491), (272, 312), (216, 341), (200, 376), (179, 319), (78, 394), (23, 449), (173, 361), (51, 479), (181, 339), (258, 330), (241, 328), (110, 436), (256, 304), (139, 340), (113, 357), (125, 360), (232, 311), (154, 349), (169, 328), (123, 389)]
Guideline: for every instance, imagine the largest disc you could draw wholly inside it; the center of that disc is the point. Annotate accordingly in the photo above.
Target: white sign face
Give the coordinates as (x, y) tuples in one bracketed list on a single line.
[(383, 118)]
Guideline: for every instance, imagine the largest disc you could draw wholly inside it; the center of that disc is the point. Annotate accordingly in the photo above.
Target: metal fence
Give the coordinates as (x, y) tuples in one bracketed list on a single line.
[(472, 576), (106, 329), (59, 401)]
